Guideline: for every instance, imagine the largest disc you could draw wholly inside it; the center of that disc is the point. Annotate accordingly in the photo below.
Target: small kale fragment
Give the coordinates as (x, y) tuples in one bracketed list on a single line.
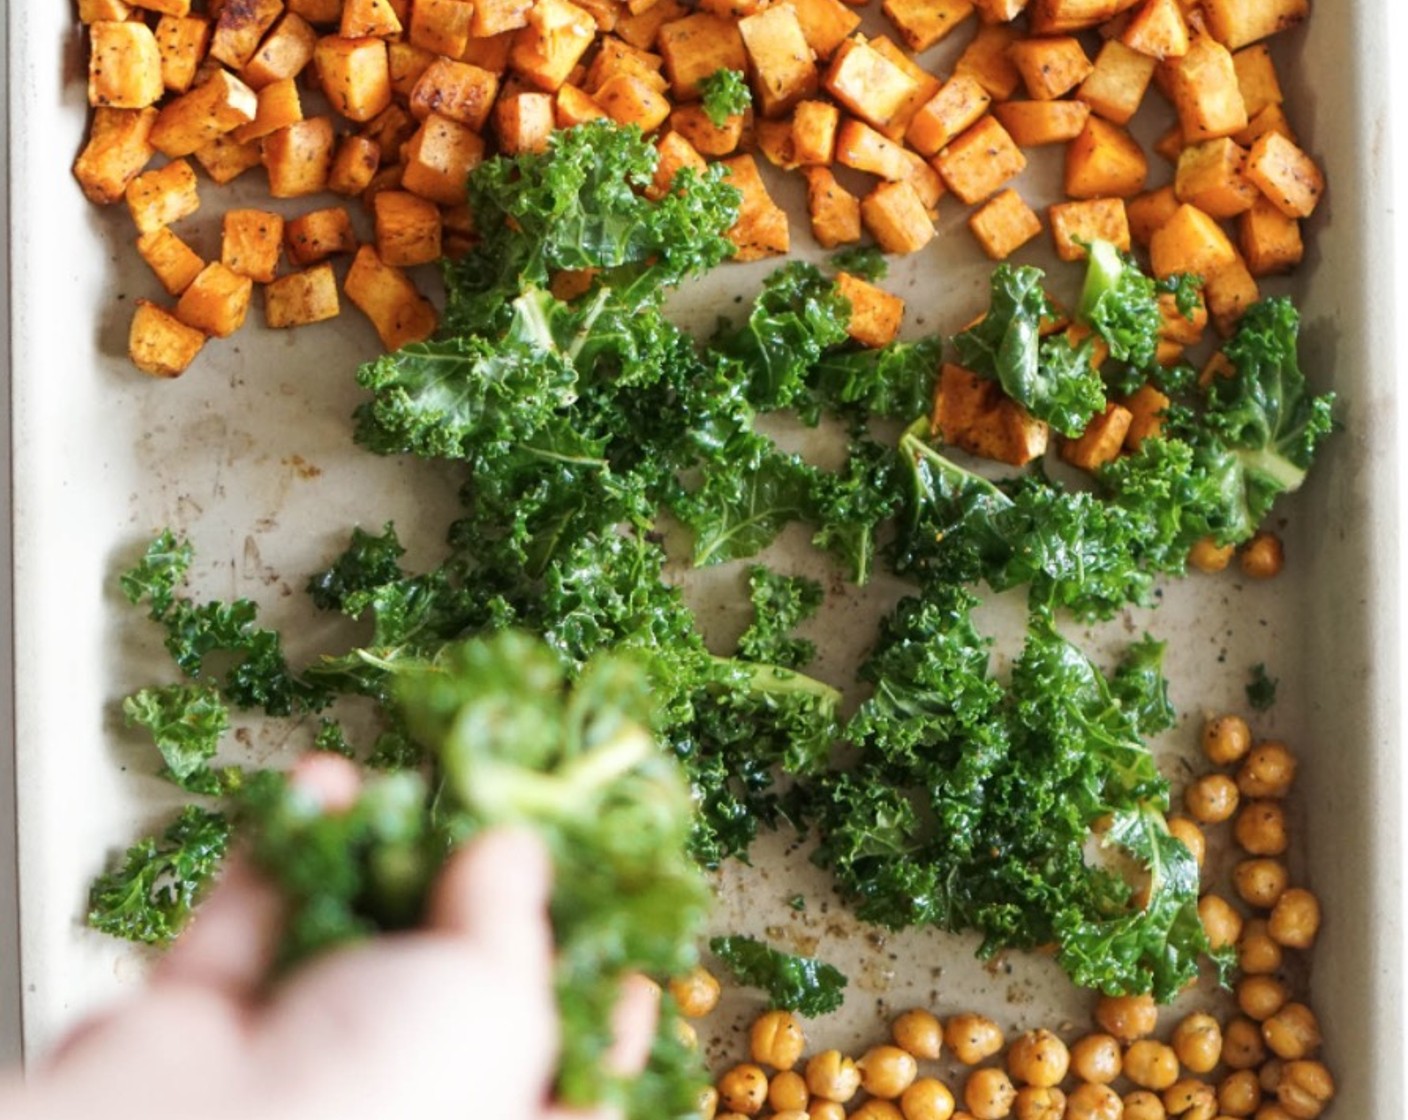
[(802, 984), (780, 603), (724, 94), (1261, 689), (186, 723)]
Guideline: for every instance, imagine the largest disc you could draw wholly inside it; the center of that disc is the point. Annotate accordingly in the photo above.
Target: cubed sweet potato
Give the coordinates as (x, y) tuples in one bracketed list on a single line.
[(181, 41), (958, 105), (408, 228), (833, 210), (302, 298), (897, 218), (1004, 224), (1203, 87), (405, 65), (556, 35), (571, 105), (216, 301), (676, 153), (1256, 78), (299, 158), (642, 29), (1186, 330), (1285, 175), (159, 344), (1270, 119), (320, 12), (971, 412), (1146, 407), (355, 75), (980, 161), (925, 85), (695, 47), (389, 130), (369, 19), (250, 243), (1050, 66), (694, 124), (218, 105), (631, 100), (1229, 292), (389, 299), (1056, 17), (319, 234), (875, 313), (285, 51), (1236, 23), (119, 146), (1148, 211), (353, 165), (279, 106), (1158, 29), (1210, 176), (226, 159), (923, 23), (124, 65), (780, 57), (616, 56), (457, 90), (165, 195), (761, 229), (773, 141), (1270, 239), (1034, 123), (498, 17), (826, 24), (174, 262), (985, 61), (1190, 241), (524, 121), (441, 26), (1076, 224), (1104, 161), (869, 84), (91, 11), (1101, 441), (239, 29), (814, 127), (1116, 86), (439, 158)]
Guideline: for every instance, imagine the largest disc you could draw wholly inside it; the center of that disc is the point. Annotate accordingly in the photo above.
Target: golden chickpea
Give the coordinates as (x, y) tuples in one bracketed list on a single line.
[(919, 1032), (1292, 1033), (1096, 1058), (887, 1071), (730, 1116), (743, 1089), (1143, 1105), (1191, 836), (1040, 1102), (1260, 997), (1269, 1075), (1221, 923), (834, 1077), (776, 1039), (1191, 1099), (989, 1094), (972, 1038), (787, 1092), (1242, 1044), (1197, 1040), (1268, 771), (1305, 1088), (1239, 1094), (1207, 555), (1258, 954), (877, 1110), (1260, 882), (1226, 739), (696, 992), (1295, 919), (826, 1110), (1211, 799), (1261, 828), (708, 1103), (1093, 1101), (791, 1116), (927, 1099), (1127, 1017), (1263, 556), (1038, 1058), (1272, 1112), (1151, 1065)]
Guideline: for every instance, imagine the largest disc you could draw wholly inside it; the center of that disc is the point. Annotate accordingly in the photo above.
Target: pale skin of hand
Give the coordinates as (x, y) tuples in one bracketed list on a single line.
[(454, 1017)]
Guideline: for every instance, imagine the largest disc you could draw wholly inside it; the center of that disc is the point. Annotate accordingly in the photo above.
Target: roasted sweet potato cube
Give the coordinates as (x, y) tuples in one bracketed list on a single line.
[(922, 23), (875, 313), (91, 11), (1116, 86), (868, 83), (676, 153), (226, 159), (1101, 441), (405, 64), (641, 26), (119, 146), (1229, 292), (408, 228), (985, 61), (174, 262), (1056, 17), (240, 27), (1210, 176), (1159, 29), (782, 67), (1034, 123), (556, 36), (833, 210), (495, 17), (814, 127), (695, 47), (957, 106), (251, 242), (1203, 87), (181, 43), (606, 13), (159, 343), (826, 24), (283, 54), (355, 75), (972, 413), (761, 229), (389, 299), (1285, 175), (1270, 239), (302, 298), (457, 90), (1256, 78), (279, 106), (1146, 407), (319, 234), (320, 12), (387, 178), (1104, 161), (1271, 119), (980, 161), (439, 158), (616, 56), (369, 19), (216, 301), (1186, 330), (731, 9), (164, 7), (925, 85), (862, 148), (1074, 225), (353, 166), (692, 123), (630, 100), (1148, 211), (773, 141), (158, 198), (441, 26), (389, 130), (124, 65), (1000, 11), (1190, 241), (524, 121), (1236, 23), (1004, 224), (299, 158), (897, 218), (1050, 67), (218, 105), (571, 105)]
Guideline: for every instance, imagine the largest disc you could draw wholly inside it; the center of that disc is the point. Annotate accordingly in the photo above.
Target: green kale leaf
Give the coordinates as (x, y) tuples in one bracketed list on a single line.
[(802, 984), (724, 94), (780, 604)]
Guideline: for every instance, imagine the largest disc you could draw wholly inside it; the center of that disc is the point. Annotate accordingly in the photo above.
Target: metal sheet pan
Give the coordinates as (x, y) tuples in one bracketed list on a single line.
[(250, 454)]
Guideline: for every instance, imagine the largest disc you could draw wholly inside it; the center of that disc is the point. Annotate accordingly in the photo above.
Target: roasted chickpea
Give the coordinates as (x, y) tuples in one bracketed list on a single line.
[(1207, 555), (1273, 1112), (1191, 1099), (776, 1039), (1240, 1093), (1211, 798), (787, 1092), (1269, 1075), (1258, 954), (743, 1089), (1038, 1058), (989, 1094), (1226, 739), (708, 1103), (1188, 833), (1143, 1105), (972, 1038), (877, 1109), (730, 1116), (919, 1032), (1096, 1058), (834, 1077), (1305, 1088), (1127, 1017), (791, 1116), (1260, 882), (1197, 1040), (1093, 1101), (1040, 1102), (1268, 771), (1295, 919), (685, 1032), (927, 1099), (1260, 997), (1221, 923), (696, 992), (887, 1071), (1263, 556), (819, 1109), (1292, 1033), (1242, 1045), (1151, 1065), (1261, 828)]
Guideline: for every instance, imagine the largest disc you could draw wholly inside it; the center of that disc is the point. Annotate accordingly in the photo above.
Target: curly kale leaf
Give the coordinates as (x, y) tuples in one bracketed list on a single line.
[(849, 506), (896, 380), (186, 724), (369, 561), (724, 94), (802, 984), (1261, 689), (156, 576), (1141, 689), (1121, 305), (780, 604), (866, 261)]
